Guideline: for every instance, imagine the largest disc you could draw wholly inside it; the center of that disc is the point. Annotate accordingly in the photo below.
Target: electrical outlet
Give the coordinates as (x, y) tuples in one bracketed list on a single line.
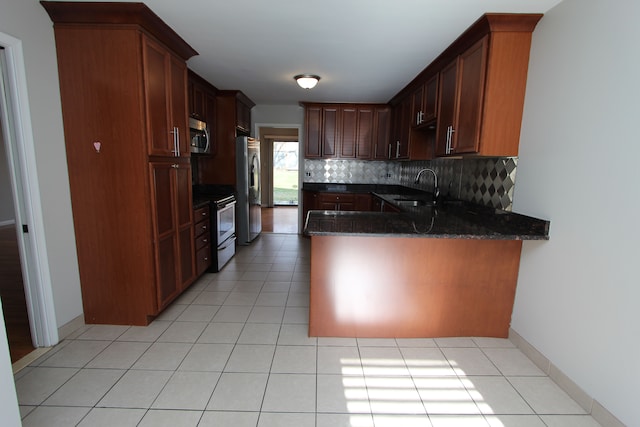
[(307, 173)]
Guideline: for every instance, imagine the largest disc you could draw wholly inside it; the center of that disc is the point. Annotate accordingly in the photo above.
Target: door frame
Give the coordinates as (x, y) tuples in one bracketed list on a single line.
[(299, 127), (19, 144)]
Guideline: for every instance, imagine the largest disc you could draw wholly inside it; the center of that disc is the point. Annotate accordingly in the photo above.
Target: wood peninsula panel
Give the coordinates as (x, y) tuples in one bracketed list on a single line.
[(385, 287)]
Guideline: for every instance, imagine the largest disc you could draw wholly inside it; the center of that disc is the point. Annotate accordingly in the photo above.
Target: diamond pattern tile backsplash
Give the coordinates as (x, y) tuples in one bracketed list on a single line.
[(488, 181)]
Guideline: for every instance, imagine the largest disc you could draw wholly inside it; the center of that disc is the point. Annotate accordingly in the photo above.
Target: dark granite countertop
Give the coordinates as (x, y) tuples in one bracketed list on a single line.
[(448, 219)]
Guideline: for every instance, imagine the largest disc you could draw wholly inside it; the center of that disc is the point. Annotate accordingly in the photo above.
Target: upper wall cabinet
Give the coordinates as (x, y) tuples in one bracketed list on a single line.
[(346, 131), (480, 88), (202, 106)]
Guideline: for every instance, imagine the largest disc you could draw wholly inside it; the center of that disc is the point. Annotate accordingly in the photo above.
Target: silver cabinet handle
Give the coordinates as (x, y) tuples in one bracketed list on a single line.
[(389, 156), (397, 149), (175, 166)]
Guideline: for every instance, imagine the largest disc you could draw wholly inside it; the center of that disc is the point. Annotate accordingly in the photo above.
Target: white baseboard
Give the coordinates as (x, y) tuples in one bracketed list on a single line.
[(7, 222), (587, 402), (69, 328)]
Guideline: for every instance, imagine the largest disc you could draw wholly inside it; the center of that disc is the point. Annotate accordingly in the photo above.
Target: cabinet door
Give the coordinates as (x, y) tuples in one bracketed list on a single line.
[(166, 242), (402, 145), (446, 106), (364, 134), (178, 107), (313, 127), (430, 99), (381, 125), (363, 202), (184, 222), (348, 130), (330, 131), (156, 76), (470, 95), (417, 109), (210, 103)]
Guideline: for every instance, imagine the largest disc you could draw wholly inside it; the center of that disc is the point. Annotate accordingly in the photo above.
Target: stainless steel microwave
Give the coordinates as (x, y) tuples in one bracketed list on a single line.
[(200, 141)]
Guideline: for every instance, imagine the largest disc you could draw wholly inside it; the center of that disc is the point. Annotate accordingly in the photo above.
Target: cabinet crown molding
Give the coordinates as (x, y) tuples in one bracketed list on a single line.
[(117, 14)]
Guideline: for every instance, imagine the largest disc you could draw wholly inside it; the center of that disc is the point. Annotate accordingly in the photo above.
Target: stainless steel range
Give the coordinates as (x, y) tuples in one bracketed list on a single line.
[(223, 221)]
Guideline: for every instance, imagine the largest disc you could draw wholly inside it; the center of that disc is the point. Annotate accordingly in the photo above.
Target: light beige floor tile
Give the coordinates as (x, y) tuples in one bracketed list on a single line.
[(294, 360), (569, 421), (514, 421), (172, 312), (266, 315), (250, 358), (383, 361), (255, 275), (217, 332), (211, 298), (85, 388), (136, 389), (207, 358), (346, 420), (290, 393), (163, 356), (544, 396), (170, 418), (145, 333), (259, 333), (239, 392), (54, 416), (469, 361), (298, 299), (336, 342), (241, 298), (416, 342), (455, 342), (458, 420), (427, 362), (342, 394), (26, 410), (376, 342), (109, 417), (248, 286), (339, 360), (119, 355), (232, 314), (198, 313), (512, 362), (187, 390), (187, 297), (296, 315), (76, 354), (393, 395), (495, 395), (221, 285), (405, 420), (286, 266), (281, 420), (255, 266), (296, 335), (40, 383), (276, 287), (183, 332), (103, 332), (445, 395), (279, 276), (272, 299), (228, 418), (486, 342)]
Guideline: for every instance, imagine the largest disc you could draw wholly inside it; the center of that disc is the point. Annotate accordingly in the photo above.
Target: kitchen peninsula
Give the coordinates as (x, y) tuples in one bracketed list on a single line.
[(442, 270)]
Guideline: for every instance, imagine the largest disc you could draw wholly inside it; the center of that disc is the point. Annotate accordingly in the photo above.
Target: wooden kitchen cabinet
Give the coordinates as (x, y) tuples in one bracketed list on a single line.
[(123, 89), (381, 132), (407, 142), (202, 235), (165, 81), (345, 131), (221, 167), (425, 102), (202, 106), (171, 203), (336, 202)]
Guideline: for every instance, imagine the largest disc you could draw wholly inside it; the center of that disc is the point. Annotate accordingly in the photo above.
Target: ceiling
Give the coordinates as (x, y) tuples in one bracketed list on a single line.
[(363, 50)]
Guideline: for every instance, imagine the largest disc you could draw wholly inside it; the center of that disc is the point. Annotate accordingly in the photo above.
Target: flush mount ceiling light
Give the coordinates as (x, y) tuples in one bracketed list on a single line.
[(307, 81)]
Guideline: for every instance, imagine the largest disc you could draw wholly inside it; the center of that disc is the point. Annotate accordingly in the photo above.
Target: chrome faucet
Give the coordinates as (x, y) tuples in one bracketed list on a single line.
[(436, 189)]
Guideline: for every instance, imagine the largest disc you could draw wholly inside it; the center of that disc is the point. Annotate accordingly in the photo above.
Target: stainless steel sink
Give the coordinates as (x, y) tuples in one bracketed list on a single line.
[(413, 202)]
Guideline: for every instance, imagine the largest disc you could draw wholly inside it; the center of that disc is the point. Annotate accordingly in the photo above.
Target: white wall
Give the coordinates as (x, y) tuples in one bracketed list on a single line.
[(277, 114), (578, 294), (9, 413), (27, 20)]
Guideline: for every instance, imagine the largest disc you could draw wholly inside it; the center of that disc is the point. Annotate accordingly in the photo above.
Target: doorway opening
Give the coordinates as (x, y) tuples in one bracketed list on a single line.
[(281, 181)]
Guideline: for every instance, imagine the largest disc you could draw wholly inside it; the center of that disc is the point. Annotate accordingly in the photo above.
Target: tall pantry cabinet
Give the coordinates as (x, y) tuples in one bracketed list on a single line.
[(123, 85)]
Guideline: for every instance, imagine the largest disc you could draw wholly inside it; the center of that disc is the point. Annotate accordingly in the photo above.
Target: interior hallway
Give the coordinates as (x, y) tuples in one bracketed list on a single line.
[(233, 350), (280, 219)]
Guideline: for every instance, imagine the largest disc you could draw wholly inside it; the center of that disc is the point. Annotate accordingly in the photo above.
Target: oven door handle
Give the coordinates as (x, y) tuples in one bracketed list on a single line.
[(226, 205)]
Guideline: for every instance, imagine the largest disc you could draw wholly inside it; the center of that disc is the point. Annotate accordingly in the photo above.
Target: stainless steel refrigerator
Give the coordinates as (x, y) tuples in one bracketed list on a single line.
[(249, 223)]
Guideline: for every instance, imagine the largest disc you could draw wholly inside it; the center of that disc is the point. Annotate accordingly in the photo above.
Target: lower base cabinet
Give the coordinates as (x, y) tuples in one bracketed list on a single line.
[(202, 236)]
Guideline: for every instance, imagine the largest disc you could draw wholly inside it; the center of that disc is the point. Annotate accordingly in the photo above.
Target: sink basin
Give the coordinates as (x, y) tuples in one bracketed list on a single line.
[(413, 202)]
